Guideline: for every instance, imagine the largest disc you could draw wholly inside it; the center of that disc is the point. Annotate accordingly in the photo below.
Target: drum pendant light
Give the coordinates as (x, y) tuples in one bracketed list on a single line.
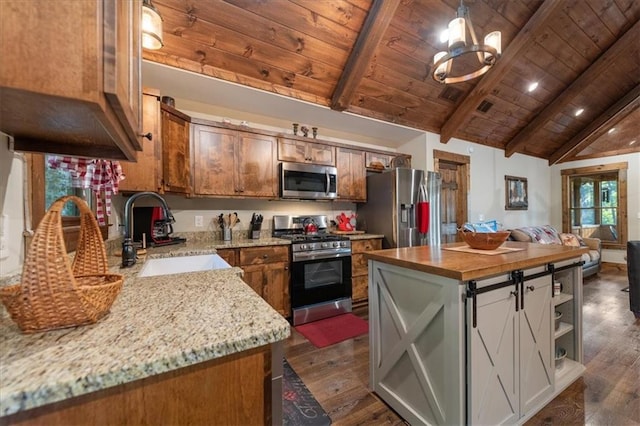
[(151, 26)]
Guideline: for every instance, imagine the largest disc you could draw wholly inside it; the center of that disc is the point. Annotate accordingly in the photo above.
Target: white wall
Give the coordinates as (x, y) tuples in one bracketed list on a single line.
[(633, 196), (12, 169)]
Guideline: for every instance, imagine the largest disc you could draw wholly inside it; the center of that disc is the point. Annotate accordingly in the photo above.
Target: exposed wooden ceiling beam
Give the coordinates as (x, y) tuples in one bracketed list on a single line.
[(462, 114), (578, 86), (599, 126), (373, 29)]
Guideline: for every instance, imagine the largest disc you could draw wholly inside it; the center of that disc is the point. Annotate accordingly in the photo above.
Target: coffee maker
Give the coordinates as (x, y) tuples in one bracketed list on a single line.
[(152, 224)]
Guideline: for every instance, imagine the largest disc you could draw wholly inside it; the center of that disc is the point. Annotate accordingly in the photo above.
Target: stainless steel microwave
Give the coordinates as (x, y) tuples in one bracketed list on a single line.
[(308, 181)]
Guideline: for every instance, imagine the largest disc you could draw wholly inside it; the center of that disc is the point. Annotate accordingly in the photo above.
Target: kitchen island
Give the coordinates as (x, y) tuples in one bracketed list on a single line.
[(191, 348), (460, 337)]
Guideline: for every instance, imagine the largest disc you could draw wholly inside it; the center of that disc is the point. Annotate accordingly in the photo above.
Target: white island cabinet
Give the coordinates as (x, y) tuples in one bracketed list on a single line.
[(460, 338)]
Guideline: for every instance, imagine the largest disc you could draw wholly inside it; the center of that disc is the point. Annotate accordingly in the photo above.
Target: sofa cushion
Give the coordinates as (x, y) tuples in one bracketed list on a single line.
[(544, 234), (569, 240)]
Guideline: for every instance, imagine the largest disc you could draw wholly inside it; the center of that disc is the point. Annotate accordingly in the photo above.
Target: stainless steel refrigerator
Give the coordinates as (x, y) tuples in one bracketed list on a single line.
[(393, 200)]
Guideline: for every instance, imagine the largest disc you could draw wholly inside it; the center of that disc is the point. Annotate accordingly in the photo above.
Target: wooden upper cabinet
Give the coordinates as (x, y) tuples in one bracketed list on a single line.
[(352, 175), (176, 168), (146, 173), (213, 160), (70, 76), (233, 163), (297, 151)]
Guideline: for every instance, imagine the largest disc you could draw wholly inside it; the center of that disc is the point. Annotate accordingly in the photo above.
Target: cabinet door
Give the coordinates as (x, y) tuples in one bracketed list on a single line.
[(493, 355), (271, 282), (175, 152), (276, 287), (292, 150), (146, 173), (254, 276), (122, 55), (537, 367), (256, 165), (305, 152), (321, 154), (229, 255), (352, 175), (214, 160)]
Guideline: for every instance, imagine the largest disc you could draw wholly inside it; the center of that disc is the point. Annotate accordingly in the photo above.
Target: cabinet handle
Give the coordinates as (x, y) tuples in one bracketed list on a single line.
[(531, 288), (264, 256), (286, 268), (147, 135)]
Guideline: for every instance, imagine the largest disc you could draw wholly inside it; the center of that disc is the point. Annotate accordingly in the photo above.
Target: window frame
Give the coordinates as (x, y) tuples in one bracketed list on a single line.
[(70, 224), (620, 169)]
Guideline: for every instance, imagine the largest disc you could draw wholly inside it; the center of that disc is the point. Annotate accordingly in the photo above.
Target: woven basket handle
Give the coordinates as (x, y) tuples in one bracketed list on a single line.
[(91, 257)]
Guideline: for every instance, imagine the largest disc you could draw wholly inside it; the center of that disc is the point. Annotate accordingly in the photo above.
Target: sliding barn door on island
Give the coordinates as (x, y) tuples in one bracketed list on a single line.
[(510, 368)]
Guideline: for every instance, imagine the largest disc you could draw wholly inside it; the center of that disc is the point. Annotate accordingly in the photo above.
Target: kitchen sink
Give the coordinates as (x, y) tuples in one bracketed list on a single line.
[(182, 264)]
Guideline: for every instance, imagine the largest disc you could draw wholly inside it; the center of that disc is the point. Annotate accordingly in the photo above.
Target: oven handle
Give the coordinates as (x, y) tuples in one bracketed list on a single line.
[(320, 254)]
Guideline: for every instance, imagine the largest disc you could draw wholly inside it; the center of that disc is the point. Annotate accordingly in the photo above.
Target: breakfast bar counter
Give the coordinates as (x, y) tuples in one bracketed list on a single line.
[(160, 329), (459, 336)]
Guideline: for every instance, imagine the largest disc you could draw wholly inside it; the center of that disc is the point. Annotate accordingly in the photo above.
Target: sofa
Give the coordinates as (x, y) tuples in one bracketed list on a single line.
[(547, 234)]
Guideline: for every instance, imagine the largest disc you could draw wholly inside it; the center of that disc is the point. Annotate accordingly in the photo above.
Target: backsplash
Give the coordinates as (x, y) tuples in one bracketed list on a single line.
[(185, 211)]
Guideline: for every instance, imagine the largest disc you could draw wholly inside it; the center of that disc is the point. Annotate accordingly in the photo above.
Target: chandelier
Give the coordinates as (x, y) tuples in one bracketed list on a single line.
[(151, 26), (486, 53)]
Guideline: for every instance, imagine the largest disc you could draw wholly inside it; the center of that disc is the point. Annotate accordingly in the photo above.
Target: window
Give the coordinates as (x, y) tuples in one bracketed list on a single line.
[(47, 185), (595, 203)]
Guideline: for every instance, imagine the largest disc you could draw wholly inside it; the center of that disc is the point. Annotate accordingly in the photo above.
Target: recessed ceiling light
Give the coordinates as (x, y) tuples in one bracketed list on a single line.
[(611, 130), (579, 111), (632, 142), (444, 36), (533, 86)]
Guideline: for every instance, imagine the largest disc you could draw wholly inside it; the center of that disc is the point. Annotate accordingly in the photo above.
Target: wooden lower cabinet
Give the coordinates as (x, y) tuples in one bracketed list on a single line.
[(266, 271), (232, 390), (359, 270)]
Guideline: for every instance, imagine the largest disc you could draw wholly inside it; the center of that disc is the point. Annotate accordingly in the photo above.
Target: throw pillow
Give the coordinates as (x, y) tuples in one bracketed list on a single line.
[(569, 240), (581, 241)]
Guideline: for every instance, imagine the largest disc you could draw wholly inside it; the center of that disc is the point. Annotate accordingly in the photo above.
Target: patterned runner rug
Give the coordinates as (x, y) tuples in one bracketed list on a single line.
[(299, 407)]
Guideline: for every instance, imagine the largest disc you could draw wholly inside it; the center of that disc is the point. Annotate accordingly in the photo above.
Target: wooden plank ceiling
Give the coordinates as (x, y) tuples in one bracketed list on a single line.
[(373, 58)]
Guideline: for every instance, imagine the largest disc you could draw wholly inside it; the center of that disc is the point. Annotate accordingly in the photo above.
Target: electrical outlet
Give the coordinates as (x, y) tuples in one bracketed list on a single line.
[(198, 222)]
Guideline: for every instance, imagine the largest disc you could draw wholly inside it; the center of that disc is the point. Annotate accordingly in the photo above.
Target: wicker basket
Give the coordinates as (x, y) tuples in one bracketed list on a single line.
[(484, 240), (55, 293)]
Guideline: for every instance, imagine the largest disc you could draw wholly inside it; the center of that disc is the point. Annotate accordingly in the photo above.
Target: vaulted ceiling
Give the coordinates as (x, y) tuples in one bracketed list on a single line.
[(373, 58)]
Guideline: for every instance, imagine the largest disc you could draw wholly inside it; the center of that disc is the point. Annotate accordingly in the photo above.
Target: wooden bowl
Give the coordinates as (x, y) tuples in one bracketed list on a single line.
[(484, 240)]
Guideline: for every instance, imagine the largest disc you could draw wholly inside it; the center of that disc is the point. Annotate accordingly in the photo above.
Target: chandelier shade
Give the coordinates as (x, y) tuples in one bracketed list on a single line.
[(151, 26), (486, 53)]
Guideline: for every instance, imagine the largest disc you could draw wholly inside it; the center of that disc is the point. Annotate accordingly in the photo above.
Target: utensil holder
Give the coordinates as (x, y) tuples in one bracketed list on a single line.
[(226, 233)]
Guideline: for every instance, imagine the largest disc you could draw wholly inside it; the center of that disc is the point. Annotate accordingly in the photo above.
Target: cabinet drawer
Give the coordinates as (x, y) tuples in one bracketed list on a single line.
[(267, 254), (366, 245)]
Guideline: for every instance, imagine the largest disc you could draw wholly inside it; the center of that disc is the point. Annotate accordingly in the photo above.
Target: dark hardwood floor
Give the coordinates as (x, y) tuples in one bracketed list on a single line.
[(607, 394)]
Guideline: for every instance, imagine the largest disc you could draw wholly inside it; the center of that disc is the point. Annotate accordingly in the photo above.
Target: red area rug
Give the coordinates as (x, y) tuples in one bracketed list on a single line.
[(332, 330)]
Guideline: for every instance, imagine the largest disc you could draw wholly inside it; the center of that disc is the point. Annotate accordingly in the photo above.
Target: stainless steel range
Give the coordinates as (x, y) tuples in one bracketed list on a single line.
[(320, 268)]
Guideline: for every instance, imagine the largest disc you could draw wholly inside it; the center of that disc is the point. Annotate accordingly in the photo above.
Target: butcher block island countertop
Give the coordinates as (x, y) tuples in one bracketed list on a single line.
[(157, 325), (465, 266)]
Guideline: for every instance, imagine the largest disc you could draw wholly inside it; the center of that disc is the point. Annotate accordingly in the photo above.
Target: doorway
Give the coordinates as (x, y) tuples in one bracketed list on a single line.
[(454, 169)]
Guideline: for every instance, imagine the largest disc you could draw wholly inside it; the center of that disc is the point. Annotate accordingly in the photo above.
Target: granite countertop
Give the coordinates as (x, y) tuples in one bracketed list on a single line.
[(445, 261), (157, 324)]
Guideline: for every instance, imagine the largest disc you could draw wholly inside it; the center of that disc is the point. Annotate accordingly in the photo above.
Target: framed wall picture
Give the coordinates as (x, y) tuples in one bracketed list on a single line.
[(516, 193)]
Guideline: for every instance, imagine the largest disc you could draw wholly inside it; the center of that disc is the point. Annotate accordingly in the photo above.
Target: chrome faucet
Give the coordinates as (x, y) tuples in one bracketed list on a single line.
[(128, 251)]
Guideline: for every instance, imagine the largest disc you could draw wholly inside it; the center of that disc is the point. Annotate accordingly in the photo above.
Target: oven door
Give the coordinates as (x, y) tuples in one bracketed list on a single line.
[(320, 280)]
